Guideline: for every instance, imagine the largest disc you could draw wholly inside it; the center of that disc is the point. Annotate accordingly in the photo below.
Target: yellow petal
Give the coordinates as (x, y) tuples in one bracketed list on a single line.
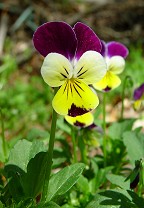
[(110, 81), (137, 104), (90, 68), (74, 98), (56, 69), (116, 64), (82, 121)]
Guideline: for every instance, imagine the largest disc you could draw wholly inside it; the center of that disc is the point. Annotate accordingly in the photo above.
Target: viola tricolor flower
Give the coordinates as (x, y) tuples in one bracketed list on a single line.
[(72, 62), (138, 96), (82, 121), (114, 54)]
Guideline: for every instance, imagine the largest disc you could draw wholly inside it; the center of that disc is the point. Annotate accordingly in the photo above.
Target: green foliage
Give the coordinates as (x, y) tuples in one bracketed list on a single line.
[(26, 105), (134, 65), (62, 181), (32, 181), (118, 181), (117, 129), (134, 143), (23, 152), (47, 205), (114, 199)]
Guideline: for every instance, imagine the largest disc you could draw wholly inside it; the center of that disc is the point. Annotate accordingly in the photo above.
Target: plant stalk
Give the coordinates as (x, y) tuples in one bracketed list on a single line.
[(49, 155), (74, 144), (83, 147), (104, 130), (3, 135)]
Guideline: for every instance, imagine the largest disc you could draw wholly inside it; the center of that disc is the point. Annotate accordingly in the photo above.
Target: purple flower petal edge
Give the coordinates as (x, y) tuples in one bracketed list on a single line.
[(139, 92), (116, 49), (57, 37), (87, 39), (104, 48)]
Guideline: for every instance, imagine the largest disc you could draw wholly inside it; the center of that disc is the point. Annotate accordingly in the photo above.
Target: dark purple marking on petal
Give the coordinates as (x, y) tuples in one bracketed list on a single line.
[(79, 124), (93, 126), (77, 111), (87, 39), (116, 49), (104, 48), (56, 37), (107, 89), (139, 92)]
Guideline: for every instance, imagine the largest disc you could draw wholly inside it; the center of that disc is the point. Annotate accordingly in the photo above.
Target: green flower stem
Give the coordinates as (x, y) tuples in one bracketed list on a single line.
[(74, 144), (3, 136), (104, 130), (49, 155), (140, 187), (123, 95), (141, 180), (83, 148)]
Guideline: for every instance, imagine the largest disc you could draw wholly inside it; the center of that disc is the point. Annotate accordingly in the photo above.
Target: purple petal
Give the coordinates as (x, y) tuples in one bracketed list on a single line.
[(116, 49), (87, 39), (57, 37), (104, 48), (139, 92)]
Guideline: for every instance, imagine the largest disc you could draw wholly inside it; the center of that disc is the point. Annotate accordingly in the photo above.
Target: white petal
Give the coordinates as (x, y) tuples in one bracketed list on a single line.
[(116, 64), (90, 68), (56, 69)]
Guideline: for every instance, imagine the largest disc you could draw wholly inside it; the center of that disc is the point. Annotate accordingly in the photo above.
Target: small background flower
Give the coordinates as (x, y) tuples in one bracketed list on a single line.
[(138, 96), (114, 54)]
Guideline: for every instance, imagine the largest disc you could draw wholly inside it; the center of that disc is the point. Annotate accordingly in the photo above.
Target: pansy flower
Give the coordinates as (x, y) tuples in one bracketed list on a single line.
[(114, 54), (72, 62), (138, 96)]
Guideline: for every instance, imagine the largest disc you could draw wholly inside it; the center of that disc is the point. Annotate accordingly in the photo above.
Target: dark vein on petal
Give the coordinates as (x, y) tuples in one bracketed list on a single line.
[(77, 91), (79, 87), (71, 88), (77, 81), (80, 69), (65, 87), (82, 73), (66, 70), (63, 75), (67, 90)]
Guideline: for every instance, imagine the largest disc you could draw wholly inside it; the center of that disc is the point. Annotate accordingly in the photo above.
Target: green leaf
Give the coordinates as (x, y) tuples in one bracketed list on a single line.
[(26, 177), (116, 130), (1, 205), (3, 155), (51, 205), (83, 185), (37, 134), (118, 181), (133, 175), (33, 180), (23, 151), (62, 181), (67, 206), (111, 199), (135, 145), (19, 155), (47, 205), (139, 201), (99, 178), (14, 186)]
